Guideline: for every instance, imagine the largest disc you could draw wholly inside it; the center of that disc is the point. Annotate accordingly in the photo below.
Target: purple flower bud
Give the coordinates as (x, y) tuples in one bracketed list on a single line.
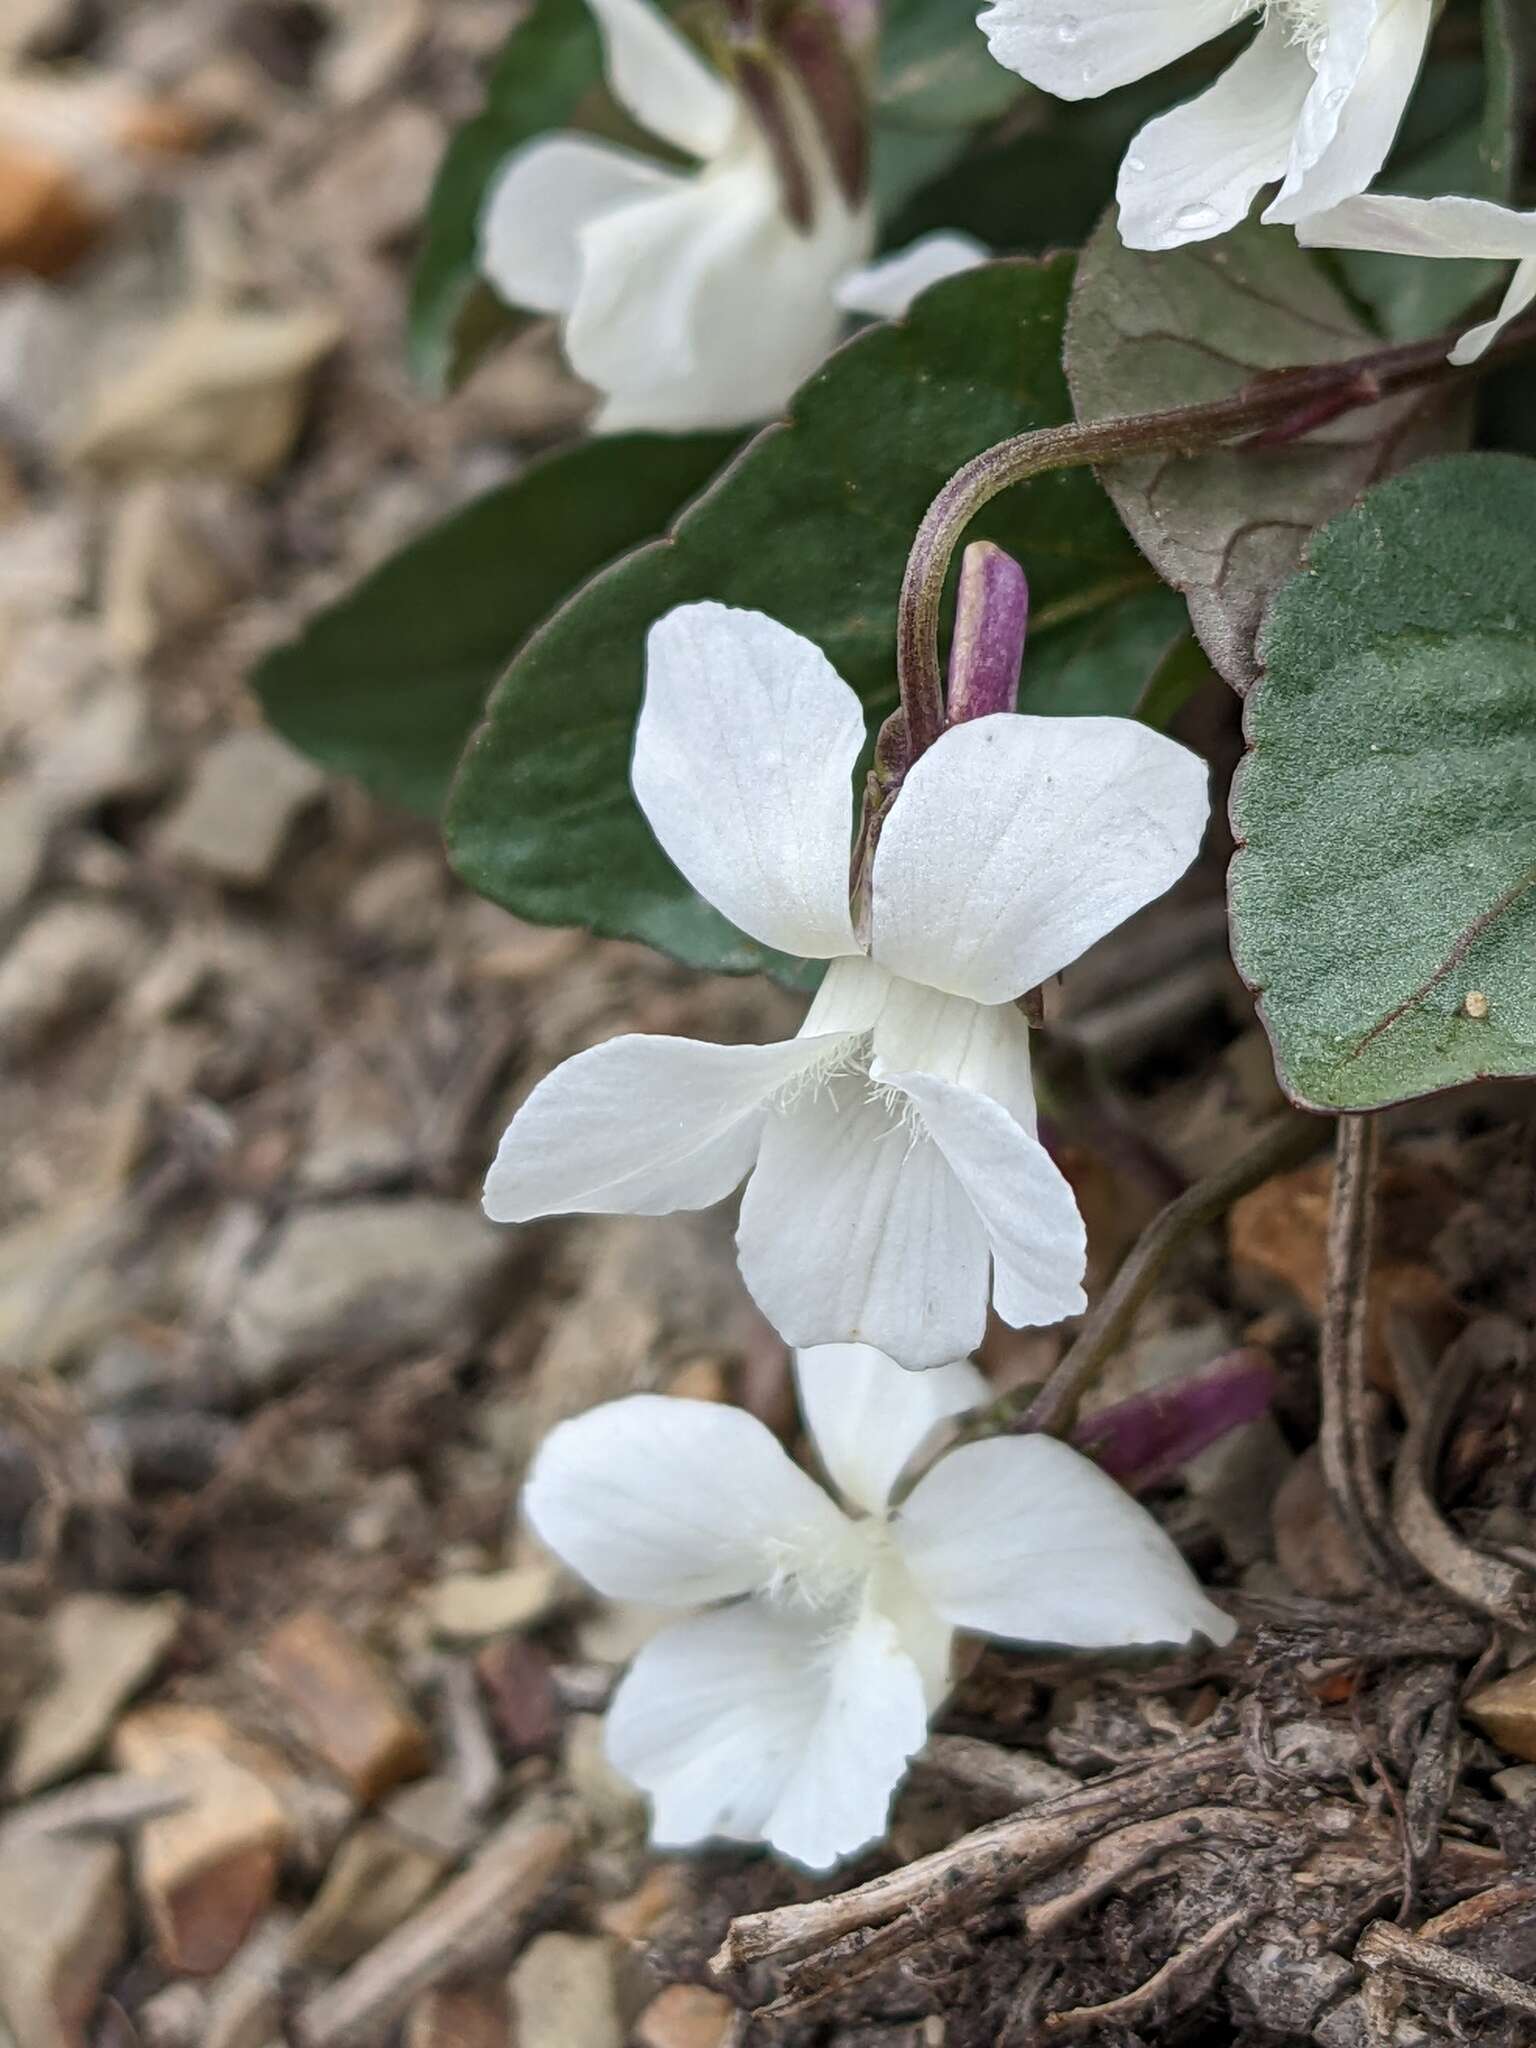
[(1150, 1435), (991, 620)]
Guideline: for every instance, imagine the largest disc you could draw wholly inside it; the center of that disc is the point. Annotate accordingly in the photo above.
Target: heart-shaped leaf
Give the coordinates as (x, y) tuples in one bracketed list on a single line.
[(1150, 332), (386, 684), (811, 524), (1384, 898)]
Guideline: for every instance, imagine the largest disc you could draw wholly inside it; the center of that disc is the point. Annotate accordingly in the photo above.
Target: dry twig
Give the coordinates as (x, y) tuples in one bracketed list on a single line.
[(479, 1920), (1432, 1397), (1385, 1947)]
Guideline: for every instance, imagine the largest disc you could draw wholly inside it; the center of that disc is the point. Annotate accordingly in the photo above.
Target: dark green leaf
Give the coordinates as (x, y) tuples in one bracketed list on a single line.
[(388, 683), (812, 524), (1100, 657), (1150, 332), (1047, 187), (936, 71), (1384, 900)]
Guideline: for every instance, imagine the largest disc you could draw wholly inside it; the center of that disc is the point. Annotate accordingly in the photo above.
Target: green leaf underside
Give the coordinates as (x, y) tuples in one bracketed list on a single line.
[(386, 685), (1387, 809), (1149, 332), (812, 525)]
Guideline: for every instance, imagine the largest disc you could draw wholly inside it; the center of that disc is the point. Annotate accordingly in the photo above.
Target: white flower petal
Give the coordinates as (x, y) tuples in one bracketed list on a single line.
[(873, 1720), (1193, 173), (1016, 842), (867, 1418), (743, 765), (852, 997), (745, 1723), (670, 1501), (1337, 57), (541, 199), (1421, 227), (1024, 1538), (983, 1046), (886, 288), (853, 1230), (707, 307), (640, 1126), (658, 76), (1079, 48), (1039, 1247), (1448, 227), (1365, 78), (1521, 293)]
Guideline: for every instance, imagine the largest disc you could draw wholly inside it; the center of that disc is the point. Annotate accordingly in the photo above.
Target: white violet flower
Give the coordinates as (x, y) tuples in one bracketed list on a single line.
[(1438, 227), (690, 299), (1314, 101), (789, 1716), (891, 1144)]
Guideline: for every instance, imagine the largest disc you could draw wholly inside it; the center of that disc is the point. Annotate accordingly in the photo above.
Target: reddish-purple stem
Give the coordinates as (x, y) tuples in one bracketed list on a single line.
[(1144, 1438)]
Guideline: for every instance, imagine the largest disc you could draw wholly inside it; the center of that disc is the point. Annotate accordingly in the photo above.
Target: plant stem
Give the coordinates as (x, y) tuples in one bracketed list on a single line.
[(1281, 1144), (1344, 1438), (1281, 401)]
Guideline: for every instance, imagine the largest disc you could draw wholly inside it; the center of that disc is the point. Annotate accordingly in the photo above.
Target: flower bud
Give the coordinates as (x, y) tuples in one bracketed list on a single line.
[(991, 620)]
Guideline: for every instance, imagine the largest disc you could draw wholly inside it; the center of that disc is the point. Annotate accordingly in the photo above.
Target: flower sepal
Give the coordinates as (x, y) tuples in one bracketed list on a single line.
[(804, 70)]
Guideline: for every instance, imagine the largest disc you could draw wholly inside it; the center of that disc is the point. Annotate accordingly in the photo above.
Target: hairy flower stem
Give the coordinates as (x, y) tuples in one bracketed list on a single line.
[(1280, 405), (1282, 1144)]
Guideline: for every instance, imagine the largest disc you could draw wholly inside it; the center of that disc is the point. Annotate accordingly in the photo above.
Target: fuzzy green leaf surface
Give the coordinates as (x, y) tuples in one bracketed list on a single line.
[(1384, 896), (1152, 332), (387, 684), (811, 524)]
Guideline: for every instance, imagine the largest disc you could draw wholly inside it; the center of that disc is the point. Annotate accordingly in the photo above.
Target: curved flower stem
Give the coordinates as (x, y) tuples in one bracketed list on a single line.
[(1284, 1143), (1279, 405)]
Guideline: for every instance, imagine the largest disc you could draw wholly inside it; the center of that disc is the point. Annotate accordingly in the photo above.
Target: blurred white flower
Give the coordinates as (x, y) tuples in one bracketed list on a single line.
[(1315, 100), (690, 299), (1438, 227), (891, 1145), (790, 1715), (885, 288)]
